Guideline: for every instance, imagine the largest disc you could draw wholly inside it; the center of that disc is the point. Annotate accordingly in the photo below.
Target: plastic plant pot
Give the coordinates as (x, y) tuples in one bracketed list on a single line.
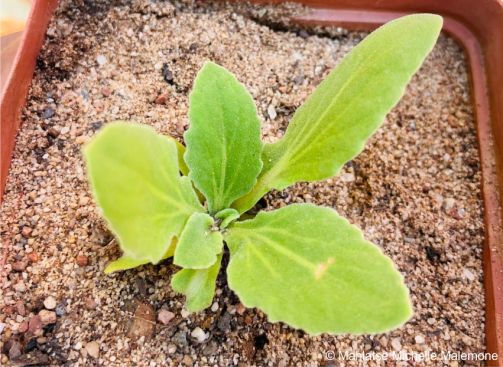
[(478, 26)]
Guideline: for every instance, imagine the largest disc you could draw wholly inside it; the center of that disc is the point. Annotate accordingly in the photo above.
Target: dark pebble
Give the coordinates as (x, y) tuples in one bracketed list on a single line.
[(32, 344), (48, 113), (180, 338), (167, 74), (96, 125), (52, 132), (61, 308), (303, 34), (224, 323), (299, 79)]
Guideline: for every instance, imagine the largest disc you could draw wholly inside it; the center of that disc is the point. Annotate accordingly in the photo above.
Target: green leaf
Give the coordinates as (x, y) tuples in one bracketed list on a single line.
[(308, 267), (227, 216), (199, 244), (332, 126), (180, 148), (198, 285), (223, 141), (136, 182), (125, 262)]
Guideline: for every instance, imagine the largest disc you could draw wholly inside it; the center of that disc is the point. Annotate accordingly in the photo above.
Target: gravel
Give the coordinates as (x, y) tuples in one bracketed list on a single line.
[(104, 61)]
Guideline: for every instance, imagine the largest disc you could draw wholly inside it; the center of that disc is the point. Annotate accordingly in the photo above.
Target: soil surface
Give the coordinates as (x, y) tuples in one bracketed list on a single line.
[(414, 191)]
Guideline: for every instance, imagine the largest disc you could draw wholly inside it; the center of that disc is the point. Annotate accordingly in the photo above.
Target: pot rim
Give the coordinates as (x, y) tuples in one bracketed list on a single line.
[(477, 26)]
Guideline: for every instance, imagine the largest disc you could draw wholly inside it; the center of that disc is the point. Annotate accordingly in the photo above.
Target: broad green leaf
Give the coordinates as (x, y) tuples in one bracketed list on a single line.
[(199, 244), (125, 262), (227, 216), (308, 267), (198, 285), (332, 126), (136, 182), (223, 141)]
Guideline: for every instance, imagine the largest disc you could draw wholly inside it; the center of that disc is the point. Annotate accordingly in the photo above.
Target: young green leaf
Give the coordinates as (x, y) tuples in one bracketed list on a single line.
[(125, 262), (198, 285), (331, 127), (199, 244), (223, 141), (227, 216), (307, 266), (135, 178)]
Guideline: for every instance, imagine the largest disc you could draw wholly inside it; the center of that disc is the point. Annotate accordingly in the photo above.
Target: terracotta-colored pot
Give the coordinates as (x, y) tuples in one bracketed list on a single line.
[(478, 26)]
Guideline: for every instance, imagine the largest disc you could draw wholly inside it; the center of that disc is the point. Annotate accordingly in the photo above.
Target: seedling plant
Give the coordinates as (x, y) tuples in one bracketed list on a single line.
[(301, 264)]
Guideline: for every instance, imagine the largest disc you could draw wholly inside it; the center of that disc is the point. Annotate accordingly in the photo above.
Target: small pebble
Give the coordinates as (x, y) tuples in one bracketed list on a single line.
[(180, 338), (199, 334), (161, 98), (165, 316), (23, 327), (19, 265), (187, 361), (48, 113), (33, 257), (93, 349), (47, 317), (240, 309), (214, 307), (20, 287), (467, 274), (53, 132), (419, 339), (60, 309), (82, 260), (171, 348), (26, 231), (90, 304), (396, 344), (184, 313), (448, 203), (35, 324), (106, 91), (101, 60), (271, 111), (50, 303), (15, 350)]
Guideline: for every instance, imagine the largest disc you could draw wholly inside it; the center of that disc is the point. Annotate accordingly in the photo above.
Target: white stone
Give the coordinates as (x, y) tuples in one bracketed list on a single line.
[(348, 177), (419, 339), (271, 111), (20, 287), (214, 307), (184, 313), (50, 303), (396, 344), (101, 60), (199, 334), (449, 203), (467, 274)]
